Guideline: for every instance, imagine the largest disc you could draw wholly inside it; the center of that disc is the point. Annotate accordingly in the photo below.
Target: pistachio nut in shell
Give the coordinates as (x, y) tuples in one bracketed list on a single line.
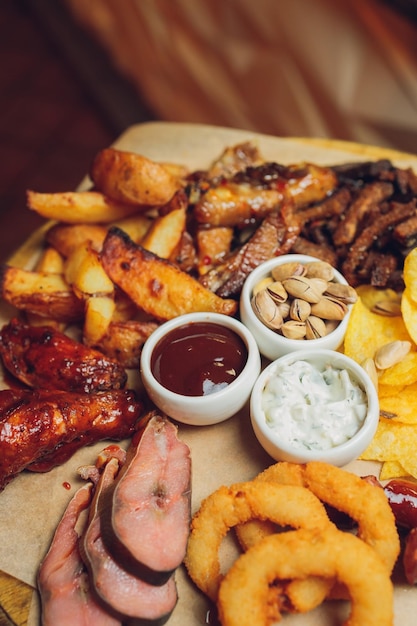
[(329, 308), (266, 310), (302, 287), (292, 268), (391, 353)]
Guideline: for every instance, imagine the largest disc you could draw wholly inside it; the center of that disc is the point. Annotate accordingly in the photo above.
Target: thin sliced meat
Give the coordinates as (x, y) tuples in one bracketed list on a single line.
[(146, 520), (133, 600), (63, 582)]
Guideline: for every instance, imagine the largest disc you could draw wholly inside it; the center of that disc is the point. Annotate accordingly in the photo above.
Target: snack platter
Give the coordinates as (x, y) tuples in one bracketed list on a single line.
[(32, 504)]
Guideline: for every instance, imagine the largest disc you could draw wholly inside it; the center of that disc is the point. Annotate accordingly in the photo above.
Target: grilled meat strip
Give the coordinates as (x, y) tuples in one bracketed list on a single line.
[(35, 424), (41, 356)]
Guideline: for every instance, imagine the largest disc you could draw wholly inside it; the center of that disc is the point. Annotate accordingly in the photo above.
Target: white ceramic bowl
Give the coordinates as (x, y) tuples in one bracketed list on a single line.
[(272, 344), (279, 447), (202, 410)]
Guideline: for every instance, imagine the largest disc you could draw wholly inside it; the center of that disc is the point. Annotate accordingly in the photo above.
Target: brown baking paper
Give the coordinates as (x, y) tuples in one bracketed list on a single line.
[(31, 505)]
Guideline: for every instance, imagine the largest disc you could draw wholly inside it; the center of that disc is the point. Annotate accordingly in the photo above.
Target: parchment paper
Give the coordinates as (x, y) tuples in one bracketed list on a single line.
[(31, 506)]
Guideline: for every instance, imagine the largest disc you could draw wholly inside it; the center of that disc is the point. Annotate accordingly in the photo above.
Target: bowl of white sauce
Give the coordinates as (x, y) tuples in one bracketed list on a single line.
[(314, 406)]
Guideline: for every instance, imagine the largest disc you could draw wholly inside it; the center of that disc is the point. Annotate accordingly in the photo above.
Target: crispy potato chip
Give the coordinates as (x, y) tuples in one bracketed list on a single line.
[(394, 441), (371, 296), (389, 390), (410, 274), (401, 406), (369, 331), (409, 313), (392, 469), (404, 372)]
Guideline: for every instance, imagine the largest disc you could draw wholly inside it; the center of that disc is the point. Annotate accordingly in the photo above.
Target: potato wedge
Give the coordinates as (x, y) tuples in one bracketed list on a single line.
[(85, 273), (99, 312), (65, 238), (40, 293), (136, 226), (50, 262), (76, 207), (165, 233), (132, 178), (124, 341), (155, 285)]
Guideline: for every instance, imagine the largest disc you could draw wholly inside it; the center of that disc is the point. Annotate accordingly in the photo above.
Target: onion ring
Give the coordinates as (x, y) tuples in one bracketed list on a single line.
[(228, 506), (244, 591), (346, 492)]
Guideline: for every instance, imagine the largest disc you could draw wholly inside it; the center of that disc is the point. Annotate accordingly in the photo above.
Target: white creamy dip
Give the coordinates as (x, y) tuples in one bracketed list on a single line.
[(312, 407)]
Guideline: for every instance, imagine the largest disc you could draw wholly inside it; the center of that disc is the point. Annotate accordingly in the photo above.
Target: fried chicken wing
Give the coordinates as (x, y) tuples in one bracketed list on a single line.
[(41, 426), (43, 357)]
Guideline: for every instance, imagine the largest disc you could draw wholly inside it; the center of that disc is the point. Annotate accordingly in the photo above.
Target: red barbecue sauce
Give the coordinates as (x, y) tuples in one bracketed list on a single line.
[(199, 358)]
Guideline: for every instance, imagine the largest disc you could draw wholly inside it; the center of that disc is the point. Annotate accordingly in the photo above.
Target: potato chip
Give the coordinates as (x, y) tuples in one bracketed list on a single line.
[(403, 407), (370, 296), (394, 441), (409, 313), (367, 331), (389, 390), (410, 274), (392, 469), (404, 372)]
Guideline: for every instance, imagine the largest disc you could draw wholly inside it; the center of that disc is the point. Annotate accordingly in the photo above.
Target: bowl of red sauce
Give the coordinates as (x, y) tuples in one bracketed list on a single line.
[(200, 368)]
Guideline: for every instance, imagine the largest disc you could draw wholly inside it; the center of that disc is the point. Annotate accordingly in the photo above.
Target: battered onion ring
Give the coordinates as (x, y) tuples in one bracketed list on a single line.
[(243, 594), (345, 492), (228, 506)]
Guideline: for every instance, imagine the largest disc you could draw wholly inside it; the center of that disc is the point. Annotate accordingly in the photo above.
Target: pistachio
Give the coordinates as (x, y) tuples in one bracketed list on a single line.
[(299, 310), (329, 308), (320, 269), (284, 309), (277, 292), (262, 284), (266, 310), (389, 308), (301, 287), (345, 293), (370, 368), (315, 327), (293, 268), (391, 353), (293, 329)]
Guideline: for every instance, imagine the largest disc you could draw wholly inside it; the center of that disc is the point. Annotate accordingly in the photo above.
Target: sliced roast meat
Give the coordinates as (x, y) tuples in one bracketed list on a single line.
[(146, 520)]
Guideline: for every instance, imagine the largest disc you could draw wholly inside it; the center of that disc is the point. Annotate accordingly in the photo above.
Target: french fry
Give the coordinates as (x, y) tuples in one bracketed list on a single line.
[(65, 238), (155, 285), (165, 233), (85, 273), (99, 312), (40, 293), (76, 207), (132, 178)]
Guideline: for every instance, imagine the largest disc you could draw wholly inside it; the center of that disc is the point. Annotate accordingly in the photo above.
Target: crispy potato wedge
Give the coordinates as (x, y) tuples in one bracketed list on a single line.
[(65, 238), (136, 226), (85, 273), (132, 178), (76, 207), (40, 293), (124, 340), (155, 285), (99, 312), (165, 233), (50, 262)]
